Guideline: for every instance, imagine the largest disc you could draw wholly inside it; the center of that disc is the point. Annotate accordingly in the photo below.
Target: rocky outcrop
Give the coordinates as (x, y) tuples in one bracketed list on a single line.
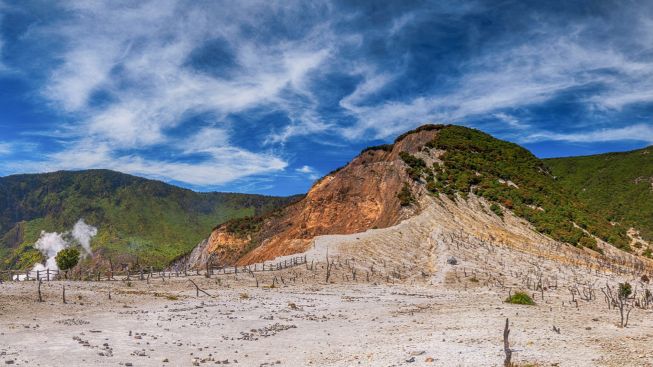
[(360, 196)]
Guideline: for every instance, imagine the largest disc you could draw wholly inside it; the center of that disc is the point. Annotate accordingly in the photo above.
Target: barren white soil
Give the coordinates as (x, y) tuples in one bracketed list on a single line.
[(306, 324)]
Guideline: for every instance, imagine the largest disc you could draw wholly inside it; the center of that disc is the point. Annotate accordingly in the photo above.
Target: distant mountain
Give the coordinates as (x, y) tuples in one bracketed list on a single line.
[(619, 186), (137, 219), (432, 165)]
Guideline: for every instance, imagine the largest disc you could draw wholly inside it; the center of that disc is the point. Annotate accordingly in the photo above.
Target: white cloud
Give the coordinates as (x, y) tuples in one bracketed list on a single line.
[(138, 56), (511, 121), (225, 164), (305, 169), (5, 148), (520, 75), (3, 67), (637, 132), (309, 171)]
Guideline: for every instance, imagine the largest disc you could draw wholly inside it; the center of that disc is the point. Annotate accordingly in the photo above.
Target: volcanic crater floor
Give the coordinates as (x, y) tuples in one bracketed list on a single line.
[(307, 322)]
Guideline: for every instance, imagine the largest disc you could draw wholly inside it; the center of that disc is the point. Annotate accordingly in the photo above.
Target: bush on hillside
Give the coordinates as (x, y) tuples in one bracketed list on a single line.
[(520, 298), (405, 196)]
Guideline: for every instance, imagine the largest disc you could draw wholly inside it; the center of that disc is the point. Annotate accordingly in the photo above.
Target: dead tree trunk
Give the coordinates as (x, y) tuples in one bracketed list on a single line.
[(198, 289), (506, 345), (328, 267)]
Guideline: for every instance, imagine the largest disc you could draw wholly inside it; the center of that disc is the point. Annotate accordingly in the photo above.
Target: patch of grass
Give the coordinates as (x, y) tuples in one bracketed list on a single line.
[(520, 298), (244, 296)]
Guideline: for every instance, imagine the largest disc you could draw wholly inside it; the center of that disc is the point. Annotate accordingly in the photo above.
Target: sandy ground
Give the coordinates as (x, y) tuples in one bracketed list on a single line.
[(306, 322)]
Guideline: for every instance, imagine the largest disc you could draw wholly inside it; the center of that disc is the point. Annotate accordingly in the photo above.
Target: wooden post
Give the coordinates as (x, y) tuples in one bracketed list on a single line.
[(506, 345), (63, 294), (39, 282), (111, 266), (47, 273)]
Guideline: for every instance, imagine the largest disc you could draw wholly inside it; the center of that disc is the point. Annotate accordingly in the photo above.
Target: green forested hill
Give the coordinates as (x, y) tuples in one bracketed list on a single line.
[(136, 218), (617, 185), (511, 178)]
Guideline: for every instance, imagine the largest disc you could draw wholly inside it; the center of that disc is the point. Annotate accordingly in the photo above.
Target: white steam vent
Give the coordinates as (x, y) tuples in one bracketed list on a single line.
[(83, 233), (50, 243)]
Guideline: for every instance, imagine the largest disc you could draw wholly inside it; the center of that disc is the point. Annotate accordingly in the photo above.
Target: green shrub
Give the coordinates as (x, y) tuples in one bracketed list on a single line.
[(520, 298), (496, 210), (405, 196), (625, 290), (67, 258), (416, 166), (384, 147)]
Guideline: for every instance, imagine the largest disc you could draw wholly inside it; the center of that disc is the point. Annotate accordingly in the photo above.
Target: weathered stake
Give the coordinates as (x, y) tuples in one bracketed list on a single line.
[(506, 345)]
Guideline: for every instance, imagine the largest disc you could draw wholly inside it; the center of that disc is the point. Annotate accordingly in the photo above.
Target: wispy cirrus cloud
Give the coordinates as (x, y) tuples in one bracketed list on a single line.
[(135, 60), (211, 93), (5, 148), (522, 76), (637, 132)]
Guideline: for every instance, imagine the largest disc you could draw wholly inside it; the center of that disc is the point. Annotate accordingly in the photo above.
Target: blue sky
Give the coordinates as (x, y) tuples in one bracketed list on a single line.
[(267, 96)]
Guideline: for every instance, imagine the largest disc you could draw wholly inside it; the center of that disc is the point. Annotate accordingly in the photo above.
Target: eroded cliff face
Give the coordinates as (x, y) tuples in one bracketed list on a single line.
[(360, 196)]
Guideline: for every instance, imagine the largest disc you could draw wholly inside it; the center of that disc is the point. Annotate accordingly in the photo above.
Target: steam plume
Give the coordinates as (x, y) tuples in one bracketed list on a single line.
[(83, 233), (50, 243)]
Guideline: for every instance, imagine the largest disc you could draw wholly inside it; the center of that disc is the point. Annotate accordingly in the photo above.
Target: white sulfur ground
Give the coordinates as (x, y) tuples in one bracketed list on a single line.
[(304, 323)]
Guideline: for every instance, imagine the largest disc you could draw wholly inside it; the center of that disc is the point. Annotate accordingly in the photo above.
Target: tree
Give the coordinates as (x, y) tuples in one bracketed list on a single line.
[(621, 299), (67, 259)]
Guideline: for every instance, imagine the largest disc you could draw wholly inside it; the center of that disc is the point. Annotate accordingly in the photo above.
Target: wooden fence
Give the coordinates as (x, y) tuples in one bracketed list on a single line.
[(145, 273)]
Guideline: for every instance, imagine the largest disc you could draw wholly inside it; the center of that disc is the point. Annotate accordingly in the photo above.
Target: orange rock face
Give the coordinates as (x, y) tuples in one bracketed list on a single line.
[(358, 197)]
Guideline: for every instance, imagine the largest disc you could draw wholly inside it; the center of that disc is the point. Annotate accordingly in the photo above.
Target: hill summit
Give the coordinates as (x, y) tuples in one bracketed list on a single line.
[(431, 166)]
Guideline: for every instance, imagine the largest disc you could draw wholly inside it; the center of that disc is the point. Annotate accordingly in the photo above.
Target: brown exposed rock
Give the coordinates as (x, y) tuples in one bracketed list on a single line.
[(360, 196)]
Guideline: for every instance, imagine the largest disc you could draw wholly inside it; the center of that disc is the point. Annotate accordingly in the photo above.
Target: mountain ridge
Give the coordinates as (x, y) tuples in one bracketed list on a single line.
[(137, 218)]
